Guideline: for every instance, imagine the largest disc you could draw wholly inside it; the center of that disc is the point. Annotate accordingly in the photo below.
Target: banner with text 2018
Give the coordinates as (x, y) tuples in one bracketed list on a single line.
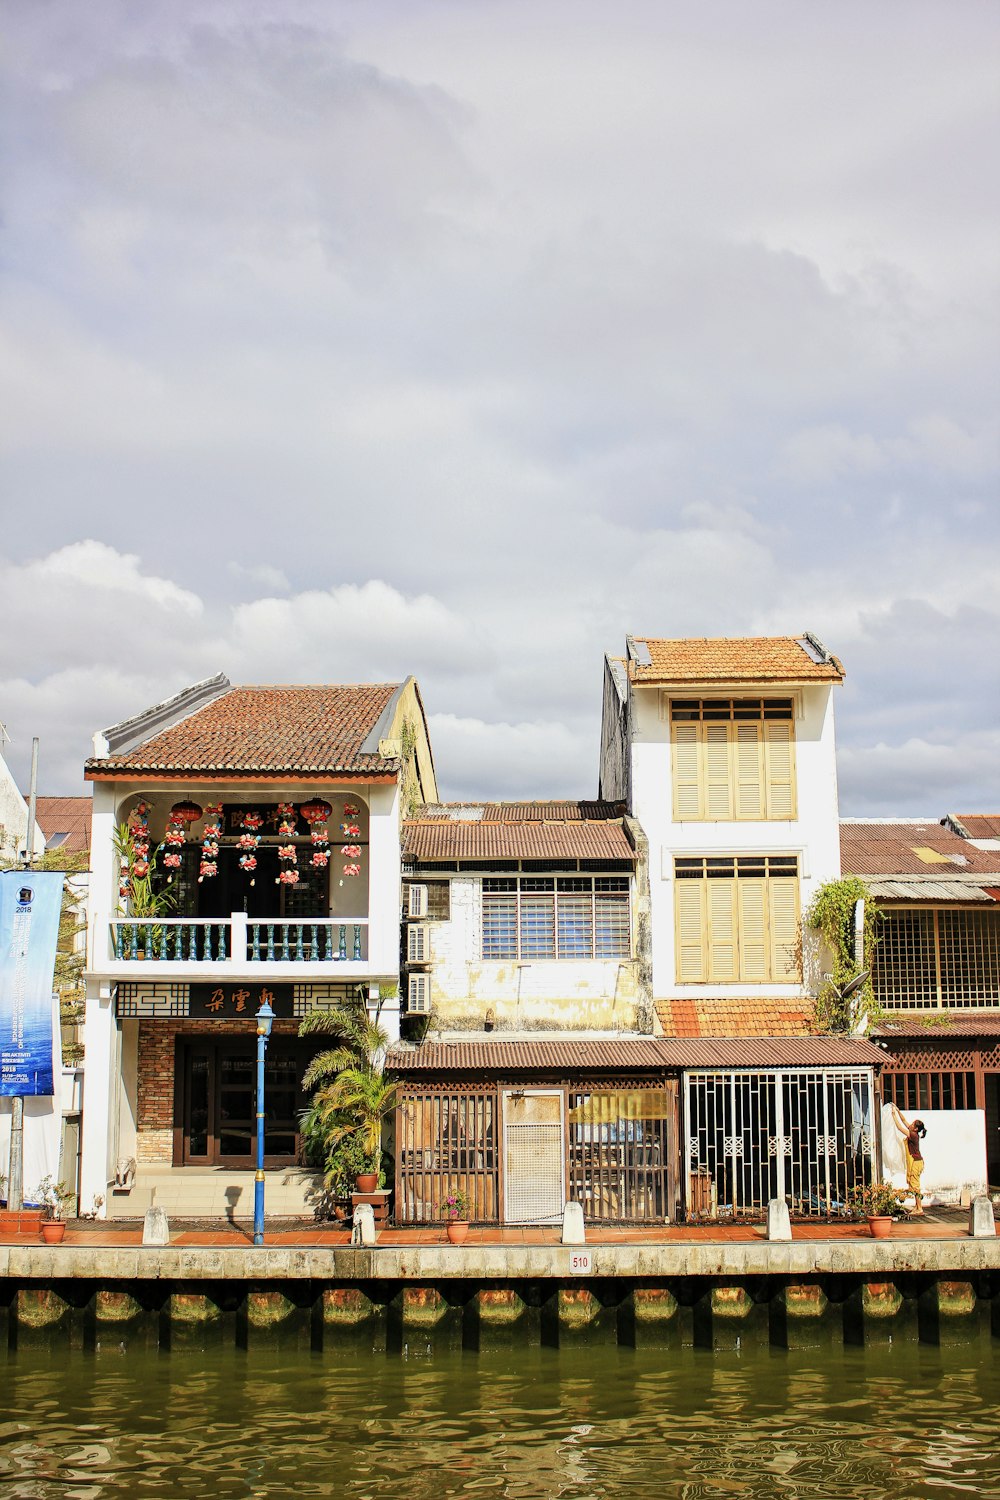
[(30, 902)]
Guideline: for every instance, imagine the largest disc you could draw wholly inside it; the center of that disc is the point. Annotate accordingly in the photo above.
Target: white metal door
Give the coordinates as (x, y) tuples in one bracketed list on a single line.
[(534, 1182)]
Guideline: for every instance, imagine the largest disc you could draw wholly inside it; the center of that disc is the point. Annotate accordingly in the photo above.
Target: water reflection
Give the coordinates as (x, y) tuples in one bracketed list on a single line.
[(524, 1425)]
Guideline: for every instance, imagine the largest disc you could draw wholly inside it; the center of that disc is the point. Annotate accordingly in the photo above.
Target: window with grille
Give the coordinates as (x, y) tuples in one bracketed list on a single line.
[(572, 916), (946, 1088), (733, 759), (942, 956), (736, 919)]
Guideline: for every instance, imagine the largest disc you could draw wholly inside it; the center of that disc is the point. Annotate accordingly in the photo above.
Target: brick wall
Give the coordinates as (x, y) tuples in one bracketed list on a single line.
[(157, 1051)]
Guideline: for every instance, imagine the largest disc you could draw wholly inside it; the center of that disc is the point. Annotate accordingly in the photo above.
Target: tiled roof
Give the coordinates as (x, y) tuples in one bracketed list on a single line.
[(731, 659), (65, 822), (436, 839), (911, 848), (269, 730), (688, 1018), (980, 825), (930, 1025), (502, 1058)]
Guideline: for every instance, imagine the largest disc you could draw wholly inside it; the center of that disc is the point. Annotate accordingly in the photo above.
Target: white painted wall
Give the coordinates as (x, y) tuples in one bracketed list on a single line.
[(814, 835), (14, 818), (954, 1152)]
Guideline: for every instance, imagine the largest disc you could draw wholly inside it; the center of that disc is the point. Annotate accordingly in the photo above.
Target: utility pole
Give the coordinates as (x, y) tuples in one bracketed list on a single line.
[(15, 1174)]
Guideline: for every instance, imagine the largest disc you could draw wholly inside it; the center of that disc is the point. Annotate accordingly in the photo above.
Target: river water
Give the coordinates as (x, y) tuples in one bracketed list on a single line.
[(905, 1421)]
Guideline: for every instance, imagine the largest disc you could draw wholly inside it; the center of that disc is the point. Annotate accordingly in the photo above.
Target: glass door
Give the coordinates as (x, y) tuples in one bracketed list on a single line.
[(219, 1110)]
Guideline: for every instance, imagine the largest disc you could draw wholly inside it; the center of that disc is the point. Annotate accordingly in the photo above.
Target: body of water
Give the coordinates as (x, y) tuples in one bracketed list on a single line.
[(902, 1421)]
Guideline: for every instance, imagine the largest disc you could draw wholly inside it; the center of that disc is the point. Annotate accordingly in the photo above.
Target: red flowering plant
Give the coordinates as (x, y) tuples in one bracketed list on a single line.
[(210, 837), (455, 1206)]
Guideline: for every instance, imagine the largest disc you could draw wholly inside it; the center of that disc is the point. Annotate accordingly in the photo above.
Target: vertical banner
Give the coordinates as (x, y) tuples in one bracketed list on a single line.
[(30, 903)]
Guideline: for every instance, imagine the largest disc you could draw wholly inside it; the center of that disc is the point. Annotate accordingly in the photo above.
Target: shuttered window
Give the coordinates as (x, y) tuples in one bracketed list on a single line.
[(733, 759), (573, 916), (737, 919)]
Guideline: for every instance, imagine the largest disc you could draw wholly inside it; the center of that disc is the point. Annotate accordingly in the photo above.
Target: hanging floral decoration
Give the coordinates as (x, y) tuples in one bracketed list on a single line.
[(288, 855), (138, 865), (209, 866), (251, 823), (316, 814), (352, 869), (176, 835), (286, 819)]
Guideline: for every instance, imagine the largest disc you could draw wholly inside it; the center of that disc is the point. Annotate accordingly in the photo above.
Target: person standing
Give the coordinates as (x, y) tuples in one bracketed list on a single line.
[(911, 1136)]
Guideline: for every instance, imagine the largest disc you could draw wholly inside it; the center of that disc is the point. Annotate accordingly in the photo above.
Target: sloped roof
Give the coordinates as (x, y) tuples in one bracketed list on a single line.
[(913, 847), (65, 822), (930, 1025), (979, 825), (438, 840), (730, 659), (645, 1054), (268, 730), (719, 1018)]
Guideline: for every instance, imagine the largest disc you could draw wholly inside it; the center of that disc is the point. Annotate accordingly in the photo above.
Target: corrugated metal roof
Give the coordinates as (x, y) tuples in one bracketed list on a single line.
[(928, 890), (875, 848), (267, 729), (980, 825), (500, 1058), (432, 840), (934, 1025), (730, 659)]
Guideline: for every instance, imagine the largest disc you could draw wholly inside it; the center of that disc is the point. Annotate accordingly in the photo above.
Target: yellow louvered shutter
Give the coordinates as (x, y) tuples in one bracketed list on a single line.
[(779, 768), (783, 922), (718, 779), (723, 953), (689, 905), (687, 795), (749, 771), (753, 929)]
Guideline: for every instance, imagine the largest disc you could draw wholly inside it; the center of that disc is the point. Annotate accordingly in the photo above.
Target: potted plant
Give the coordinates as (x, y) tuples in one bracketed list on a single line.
[(54, 1196), (456, 1210), (877, 1202)]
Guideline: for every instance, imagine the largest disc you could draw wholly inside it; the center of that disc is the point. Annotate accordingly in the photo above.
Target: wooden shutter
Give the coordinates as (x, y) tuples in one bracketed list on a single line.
[(753, 929), (779, 768), (723, 952), (687, 793), (718, 778), (783, 923), (689, 909), (749, 771)]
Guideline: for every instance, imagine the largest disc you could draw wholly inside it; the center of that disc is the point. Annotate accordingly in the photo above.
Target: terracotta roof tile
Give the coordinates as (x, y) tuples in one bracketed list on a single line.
[(436, 839), (869, 848), (733, 659), (69, 816), (306, 730), (728, 1018), (500, 1058)]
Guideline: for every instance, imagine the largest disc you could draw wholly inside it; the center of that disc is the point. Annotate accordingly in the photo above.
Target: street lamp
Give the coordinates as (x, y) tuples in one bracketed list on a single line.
[(265, 1018)]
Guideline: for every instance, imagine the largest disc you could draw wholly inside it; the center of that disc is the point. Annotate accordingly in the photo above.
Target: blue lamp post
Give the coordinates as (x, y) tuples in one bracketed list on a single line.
[(265, 1017)]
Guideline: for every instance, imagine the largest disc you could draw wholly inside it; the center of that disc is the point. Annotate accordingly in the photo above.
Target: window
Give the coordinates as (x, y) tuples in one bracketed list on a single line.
[(572, 916), (737, 919), (733, 759), (942, 956)]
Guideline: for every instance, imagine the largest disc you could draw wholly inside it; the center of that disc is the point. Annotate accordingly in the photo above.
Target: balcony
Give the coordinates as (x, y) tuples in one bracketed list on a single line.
[(192, 947)]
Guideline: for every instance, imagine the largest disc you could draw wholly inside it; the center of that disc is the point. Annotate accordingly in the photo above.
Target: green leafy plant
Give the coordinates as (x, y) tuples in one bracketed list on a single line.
[(455, 1206), (352, 1098), (831, 914), (874, 1200), (55, 1195), (142, 897)]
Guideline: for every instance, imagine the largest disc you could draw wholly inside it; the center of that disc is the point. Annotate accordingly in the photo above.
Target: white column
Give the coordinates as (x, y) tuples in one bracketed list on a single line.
[(98, 1089)]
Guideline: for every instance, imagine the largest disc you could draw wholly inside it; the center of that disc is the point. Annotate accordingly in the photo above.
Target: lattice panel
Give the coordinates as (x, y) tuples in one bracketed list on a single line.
[(932, 1060), (533, 1174), (158, 998), (307, 997)]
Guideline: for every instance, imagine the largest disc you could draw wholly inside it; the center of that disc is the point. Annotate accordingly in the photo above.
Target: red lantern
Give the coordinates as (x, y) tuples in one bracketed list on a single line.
[(185, 812), (316, 812)]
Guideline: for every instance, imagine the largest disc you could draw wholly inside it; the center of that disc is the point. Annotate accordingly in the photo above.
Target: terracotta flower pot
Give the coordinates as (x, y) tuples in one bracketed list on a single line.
[(457, 1230), (53, 1230), (880, 1225), (366, 1182)]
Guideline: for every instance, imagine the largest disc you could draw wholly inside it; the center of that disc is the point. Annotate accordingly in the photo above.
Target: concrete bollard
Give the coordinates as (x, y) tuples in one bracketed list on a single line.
[(156, 1227), (779, 1225), (981, 1222), (573, 1232), (363, 1230)]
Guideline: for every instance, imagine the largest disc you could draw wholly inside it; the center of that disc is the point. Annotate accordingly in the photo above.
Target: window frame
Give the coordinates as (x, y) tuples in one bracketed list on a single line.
[(732, 920), (535, 918), (721, 773)]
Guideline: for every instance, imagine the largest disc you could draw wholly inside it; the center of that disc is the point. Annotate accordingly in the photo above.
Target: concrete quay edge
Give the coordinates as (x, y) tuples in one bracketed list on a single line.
[(501, 1263)]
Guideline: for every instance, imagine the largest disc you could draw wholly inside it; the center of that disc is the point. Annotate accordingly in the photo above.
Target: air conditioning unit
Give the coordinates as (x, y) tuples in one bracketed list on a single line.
[(417, 901), (418, 943), (418, 994)]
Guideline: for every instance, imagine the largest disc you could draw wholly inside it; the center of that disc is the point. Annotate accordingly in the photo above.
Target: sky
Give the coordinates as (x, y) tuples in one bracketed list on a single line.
[(352, 339)]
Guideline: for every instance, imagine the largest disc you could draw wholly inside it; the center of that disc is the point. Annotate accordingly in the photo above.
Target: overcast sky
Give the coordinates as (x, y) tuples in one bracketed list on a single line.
[(343, 341)]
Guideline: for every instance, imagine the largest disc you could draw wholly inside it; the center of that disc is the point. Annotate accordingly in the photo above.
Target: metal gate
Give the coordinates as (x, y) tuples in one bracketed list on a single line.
[(534, 1177), (801, 1134)]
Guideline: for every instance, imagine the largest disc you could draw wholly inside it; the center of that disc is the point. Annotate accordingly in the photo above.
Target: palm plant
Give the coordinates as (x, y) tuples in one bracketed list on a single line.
[(352, 1097)]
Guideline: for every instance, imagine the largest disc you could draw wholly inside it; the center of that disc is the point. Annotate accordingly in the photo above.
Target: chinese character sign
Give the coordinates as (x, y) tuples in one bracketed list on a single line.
[(30, 903)]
